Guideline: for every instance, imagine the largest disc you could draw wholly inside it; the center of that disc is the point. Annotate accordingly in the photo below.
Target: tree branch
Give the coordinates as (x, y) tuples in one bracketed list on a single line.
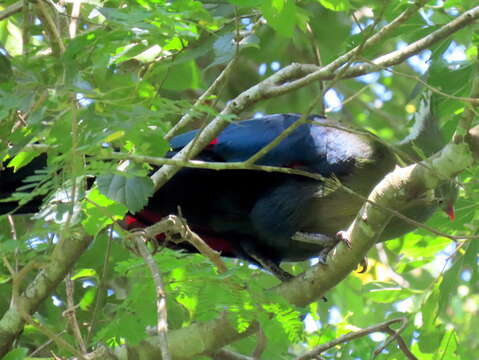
[(382, 327), (162, 317), (176, 225), (11, 10), (394, 192), (296, 76), (64, 255)]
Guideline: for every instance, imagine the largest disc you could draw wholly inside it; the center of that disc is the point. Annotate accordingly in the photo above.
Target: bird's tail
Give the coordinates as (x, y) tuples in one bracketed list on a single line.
[(425, 136), (16, 191)]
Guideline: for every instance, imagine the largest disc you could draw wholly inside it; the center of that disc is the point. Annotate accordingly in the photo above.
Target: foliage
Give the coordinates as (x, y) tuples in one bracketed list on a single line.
[(127, 74)]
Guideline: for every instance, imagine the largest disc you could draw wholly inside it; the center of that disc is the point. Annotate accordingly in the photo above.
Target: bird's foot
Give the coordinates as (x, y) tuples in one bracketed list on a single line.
[(326, 242), (344, 238), (364, 265), (323, 255)]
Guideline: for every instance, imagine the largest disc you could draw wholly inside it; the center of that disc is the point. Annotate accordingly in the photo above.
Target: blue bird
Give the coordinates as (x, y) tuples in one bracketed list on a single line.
[(263, 216), (271, 217)]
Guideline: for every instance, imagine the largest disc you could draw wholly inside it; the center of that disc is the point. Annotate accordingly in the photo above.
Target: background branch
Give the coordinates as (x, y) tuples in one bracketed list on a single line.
[(296, 76)]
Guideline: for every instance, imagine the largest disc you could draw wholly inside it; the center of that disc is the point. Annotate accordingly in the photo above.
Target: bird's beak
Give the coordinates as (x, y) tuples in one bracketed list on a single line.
[(450, 212)]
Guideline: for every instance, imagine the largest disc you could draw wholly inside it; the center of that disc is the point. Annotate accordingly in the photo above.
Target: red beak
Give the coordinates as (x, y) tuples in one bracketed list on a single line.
[(450, 212)]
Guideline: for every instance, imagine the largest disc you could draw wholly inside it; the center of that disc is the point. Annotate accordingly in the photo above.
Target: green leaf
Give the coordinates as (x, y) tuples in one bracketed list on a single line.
[(146, 90), (81, 273), (246, 3), (385, 292), (128, 17), (179, 76), (22, 159), (431, 332), (281, 16), (100, 211), (448, 348), (470, 259), (133, 192), (16, 354), (418, 246), (335, 5), (5, 68), (450, 283), (14, 41), (224, 49), (88, 298)]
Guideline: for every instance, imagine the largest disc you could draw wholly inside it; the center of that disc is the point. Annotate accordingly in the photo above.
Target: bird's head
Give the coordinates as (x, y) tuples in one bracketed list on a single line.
[(446, 195)]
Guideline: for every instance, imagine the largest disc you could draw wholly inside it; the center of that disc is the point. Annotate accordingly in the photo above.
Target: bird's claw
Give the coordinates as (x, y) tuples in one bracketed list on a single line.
[(344, 238), (364, 265), (323, 255), (327, 242)]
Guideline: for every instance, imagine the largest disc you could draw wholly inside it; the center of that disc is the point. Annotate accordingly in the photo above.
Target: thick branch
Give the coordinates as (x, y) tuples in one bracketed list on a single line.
[(383, 327), (65, 254), (394, 192), (11, 10), (283, 82)]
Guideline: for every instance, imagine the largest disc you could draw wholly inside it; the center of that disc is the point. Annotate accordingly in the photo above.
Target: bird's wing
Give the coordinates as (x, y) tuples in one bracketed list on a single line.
[(309, 147)]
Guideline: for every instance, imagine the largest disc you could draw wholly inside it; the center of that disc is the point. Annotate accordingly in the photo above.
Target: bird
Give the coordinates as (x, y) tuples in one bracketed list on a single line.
[(262, 217), (255, 215)]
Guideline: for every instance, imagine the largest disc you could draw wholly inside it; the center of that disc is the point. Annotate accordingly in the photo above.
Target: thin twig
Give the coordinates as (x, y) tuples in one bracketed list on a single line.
[(245, 166), (75, 14), (175, 225), (391, 273), (465, 99), (11, 10), (27, 24), (469, 112), (191, 114), (15, 238), (261, 343), (74, 157), (318, 61), (51, 28), (296, 76), (401, 343), (225, 354), (394, 335), (101, 284), (18, 304), (45, 344), (70, 313), (382, 327), (162, 321)]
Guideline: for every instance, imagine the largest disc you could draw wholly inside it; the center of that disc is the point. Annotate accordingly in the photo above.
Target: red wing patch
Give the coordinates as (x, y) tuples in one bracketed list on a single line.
[(130, 222), (212, 143), (149, 217)]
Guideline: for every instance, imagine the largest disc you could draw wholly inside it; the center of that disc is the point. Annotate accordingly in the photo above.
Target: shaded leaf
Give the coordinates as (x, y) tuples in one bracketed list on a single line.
[(133, 192), (335, 5)]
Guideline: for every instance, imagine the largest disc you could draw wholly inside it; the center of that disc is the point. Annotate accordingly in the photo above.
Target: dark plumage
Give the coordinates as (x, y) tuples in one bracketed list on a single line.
[(254, 214)]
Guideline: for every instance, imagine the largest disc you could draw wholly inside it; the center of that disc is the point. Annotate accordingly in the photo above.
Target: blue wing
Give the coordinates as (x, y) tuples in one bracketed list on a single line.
[(322, 149)]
